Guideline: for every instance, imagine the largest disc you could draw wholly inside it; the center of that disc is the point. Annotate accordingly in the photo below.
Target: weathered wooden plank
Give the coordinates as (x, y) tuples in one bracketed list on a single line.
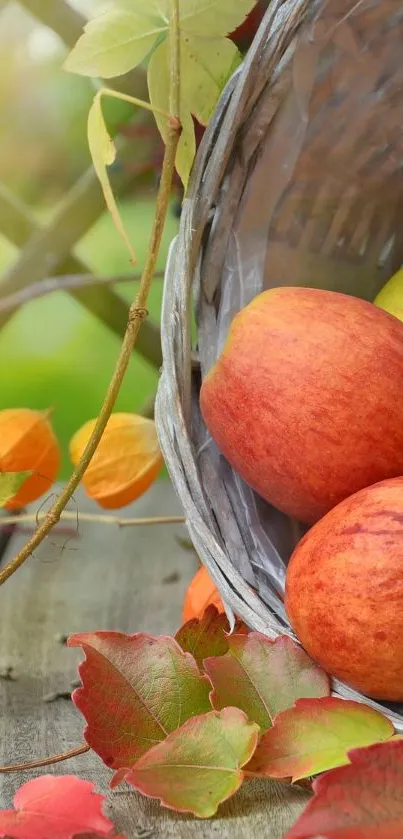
[(127, 579)]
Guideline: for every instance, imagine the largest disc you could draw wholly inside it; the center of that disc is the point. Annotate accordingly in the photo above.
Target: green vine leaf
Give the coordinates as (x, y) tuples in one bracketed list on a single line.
[(156, 9), (205, 18), (10, 483), (158, 86), (203, 77), (103, 154), (113, 43), (120, 39), (212, 18), (206, 73)]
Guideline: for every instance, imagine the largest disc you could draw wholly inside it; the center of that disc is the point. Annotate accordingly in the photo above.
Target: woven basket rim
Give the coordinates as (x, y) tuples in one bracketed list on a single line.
[(176, 416)]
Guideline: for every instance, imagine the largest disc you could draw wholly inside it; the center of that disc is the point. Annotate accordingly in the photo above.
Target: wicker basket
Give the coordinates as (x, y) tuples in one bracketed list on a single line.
[(298, 180)]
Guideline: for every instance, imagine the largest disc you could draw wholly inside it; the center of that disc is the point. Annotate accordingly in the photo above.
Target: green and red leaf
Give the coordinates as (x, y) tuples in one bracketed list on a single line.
[(316, 735), (363, 800), (10, 483), (208, 635), (263, 677), (136, 690), (199, 765)]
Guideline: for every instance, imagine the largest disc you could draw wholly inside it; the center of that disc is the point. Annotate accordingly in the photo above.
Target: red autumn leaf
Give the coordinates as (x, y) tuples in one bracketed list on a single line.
[(208, 635), (263, 677), (363, 800), (55, 807), (199, 765), (316, 735), (244, 35), (136, 690)]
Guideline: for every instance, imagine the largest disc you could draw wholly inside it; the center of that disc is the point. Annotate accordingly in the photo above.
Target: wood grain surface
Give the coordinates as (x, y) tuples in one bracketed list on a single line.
[(129, 579)]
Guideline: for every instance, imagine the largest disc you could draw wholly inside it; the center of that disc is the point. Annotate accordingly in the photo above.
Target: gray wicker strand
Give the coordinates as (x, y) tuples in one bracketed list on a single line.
[(298, 181)]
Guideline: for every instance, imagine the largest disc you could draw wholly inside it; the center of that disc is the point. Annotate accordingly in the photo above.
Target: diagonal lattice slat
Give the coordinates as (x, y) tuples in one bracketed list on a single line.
[(58, 15), (20, 227), (47, 250), (68, 24)]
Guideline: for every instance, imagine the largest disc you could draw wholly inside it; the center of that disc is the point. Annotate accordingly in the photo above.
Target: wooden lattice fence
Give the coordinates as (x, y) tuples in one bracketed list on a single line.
[(48, 250)]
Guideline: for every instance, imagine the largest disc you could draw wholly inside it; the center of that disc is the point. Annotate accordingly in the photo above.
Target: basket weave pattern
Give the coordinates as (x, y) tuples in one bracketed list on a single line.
[(299, 181)]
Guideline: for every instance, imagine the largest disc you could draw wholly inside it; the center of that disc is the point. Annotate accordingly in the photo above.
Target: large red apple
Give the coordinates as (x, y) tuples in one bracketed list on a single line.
[(344, 591), (306, 399)]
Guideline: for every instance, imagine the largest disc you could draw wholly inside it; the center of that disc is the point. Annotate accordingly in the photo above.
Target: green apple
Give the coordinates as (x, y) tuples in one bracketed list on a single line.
[(390, 298)]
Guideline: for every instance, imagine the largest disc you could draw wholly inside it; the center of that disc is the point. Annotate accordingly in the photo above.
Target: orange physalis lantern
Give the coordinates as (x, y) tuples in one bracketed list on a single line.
[(28, 444), (201, 593), (126, 463)]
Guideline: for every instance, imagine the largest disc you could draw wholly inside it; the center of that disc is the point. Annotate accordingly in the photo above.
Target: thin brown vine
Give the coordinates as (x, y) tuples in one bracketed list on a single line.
[(64, 281), (46, 761), (137, 314), (69, 515)]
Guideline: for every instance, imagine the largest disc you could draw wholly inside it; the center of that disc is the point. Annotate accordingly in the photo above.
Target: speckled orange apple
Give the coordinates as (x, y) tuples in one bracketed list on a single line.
[(306, 399), (344, 591)]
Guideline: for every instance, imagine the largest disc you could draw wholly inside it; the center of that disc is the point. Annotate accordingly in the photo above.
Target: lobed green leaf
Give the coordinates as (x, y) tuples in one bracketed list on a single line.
[(205, 72), (103, 153), (199, 765), (136, 690), (159, 88), (118, 40), (113, 43), (316, 735), (213, 18), (264, 677), (208, 635)]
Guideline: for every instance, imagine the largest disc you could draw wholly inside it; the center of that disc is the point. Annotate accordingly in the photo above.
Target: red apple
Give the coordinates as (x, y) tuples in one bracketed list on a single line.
[(344, 591), (306, 399)]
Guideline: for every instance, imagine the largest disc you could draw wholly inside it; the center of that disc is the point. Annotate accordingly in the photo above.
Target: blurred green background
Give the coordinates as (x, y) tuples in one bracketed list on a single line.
[(52, 352)]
